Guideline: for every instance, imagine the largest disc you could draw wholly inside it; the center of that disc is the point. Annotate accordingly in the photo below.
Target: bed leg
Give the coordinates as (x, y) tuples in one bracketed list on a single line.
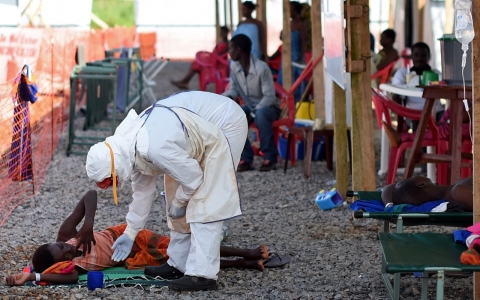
[(400, 224), (425, 286), (396, 286), (440, 284)]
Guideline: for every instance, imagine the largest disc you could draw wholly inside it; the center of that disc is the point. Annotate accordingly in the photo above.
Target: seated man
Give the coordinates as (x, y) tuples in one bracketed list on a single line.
[(388, 54), (418, 190), (220, 49), (420, 58), (149, 249), (251, 79)]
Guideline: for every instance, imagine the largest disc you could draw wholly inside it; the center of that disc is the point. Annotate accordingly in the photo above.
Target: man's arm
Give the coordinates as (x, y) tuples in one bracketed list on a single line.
[(268, 88), (144, 188), (86, 207), (232, 91)]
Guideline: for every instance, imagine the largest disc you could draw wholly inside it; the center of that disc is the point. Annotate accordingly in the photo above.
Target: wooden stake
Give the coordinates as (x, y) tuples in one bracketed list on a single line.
[(340, 139), (476, 131), (318, 71), (363, 162), (287, 47)]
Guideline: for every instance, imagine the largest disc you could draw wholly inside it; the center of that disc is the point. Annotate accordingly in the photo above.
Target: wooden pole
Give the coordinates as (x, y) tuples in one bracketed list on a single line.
[(230, 7), (217, 21), (287, 47), (318, 71), (239, 4), (476, 130), (363, 162), (391, 14), (448, 16), (421, 11), (225, 17), (340, 139), (262, 17)]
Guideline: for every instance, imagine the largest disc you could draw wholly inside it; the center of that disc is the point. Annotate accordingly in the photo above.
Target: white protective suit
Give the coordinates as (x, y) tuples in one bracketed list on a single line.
[(196, 141)]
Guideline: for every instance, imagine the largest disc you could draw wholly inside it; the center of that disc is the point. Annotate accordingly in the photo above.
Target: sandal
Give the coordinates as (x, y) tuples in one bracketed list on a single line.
[(244, 165), (267, 166), (274, 260)]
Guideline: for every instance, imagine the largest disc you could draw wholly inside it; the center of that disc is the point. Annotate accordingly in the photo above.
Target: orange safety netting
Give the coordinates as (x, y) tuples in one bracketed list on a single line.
[(50, 112)]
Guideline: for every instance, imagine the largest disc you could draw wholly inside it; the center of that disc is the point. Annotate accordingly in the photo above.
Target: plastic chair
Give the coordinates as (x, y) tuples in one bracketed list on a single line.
[(388, 105), (213, 68), (385, 73)]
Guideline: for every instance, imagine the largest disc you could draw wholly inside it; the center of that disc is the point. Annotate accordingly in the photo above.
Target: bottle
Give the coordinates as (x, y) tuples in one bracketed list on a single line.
[(464, 26), (463, 21)]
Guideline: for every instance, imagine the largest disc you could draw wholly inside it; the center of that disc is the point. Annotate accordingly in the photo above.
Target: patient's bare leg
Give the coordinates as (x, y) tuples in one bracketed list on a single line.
[(242, 263), (261, 252)]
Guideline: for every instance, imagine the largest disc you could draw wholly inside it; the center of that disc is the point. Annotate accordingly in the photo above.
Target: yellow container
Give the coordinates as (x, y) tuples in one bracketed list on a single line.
[(306, 110)]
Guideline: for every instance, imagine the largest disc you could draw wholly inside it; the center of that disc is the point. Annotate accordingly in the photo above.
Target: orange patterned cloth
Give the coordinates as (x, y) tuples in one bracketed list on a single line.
[(470, 257), (149, 249)]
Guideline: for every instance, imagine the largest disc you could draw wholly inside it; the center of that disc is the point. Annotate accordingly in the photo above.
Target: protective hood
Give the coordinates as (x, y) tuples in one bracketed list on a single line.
[(99, 162)]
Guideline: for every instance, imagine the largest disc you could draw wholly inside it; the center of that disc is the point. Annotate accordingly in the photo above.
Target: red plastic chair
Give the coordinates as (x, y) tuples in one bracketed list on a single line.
[(384, 74), (387, 106), (213, 67)]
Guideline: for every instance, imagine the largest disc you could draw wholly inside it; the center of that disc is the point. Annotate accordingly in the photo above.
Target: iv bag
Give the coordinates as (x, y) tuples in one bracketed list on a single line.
[(463, 21)]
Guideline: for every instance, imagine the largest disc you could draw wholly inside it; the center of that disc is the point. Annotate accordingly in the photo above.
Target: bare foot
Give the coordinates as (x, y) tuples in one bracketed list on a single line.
[(261, 252), (180, 85), (254, 264), (393, 135)]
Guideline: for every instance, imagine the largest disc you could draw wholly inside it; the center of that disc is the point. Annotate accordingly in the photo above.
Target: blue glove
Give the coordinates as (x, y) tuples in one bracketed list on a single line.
[(123, 245), (177, 209)]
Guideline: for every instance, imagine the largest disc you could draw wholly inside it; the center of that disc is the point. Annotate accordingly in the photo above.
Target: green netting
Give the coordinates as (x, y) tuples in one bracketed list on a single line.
[(416, 252)]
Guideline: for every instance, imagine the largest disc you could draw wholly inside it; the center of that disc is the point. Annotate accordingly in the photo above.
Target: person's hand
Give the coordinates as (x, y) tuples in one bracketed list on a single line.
[(85, 237), (17, 279), (177, 209), (123, 246)]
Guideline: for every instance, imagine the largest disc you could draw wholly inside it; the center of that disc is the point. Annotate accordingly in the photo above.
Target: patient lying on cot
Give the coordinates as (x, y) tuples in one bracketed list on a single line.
[(418, 190), (63, 261)]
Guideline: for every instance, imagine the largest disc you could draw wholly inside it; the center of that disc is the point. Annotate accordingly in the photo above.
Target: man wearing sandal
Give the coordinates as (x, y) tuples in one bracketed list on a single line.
[(252, 81)]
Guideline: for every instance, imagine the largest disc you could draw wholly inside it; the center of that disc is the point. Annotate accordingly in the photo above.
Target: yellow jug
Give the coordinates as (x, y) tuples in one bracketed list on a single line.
[(305, 110)]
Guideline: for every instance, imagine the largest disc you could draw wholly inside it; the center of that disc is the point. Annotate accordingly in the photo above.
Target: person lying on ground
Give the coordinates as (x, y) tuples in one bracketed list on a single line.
[(95, 251), (418, 190), (221, 49)]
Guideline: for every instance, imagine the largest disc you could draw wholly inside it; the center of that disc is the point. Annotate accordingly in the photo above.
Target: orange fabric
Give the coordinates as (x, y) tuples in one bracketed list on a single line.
[(63, 267), (149, 249), (470, 257)]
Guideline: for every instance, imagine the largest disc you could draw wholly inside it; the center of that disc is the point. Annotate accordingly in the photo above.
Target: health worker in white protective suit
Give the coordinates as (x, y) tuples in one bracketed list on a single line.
[(195, 139)]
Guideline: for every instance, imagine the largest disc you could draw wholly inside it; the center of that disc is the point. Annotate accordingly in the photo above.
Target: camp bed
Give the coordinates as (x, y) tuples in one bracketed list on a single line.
[(455, 219), (424, 252)]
